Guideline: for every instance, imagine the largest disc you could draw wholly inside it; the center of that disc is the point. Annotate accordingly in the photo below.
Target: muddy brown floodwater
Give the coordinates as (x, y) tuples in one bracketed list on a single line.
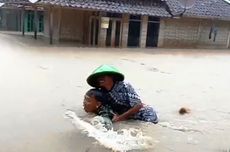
[(39, 82)]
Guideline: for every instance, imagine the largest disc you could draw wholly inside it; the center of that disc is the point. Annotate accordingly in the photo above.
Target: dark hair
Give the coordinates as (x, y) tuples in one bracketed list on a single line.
[(98, 94)]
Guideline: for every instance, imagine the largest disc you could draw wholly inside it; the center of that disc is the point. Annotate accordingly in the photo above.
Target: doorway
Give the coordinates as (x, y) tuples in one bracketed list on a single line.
[(94, 30), (152, 32), (29, 21), (113, 35), (134, 31)]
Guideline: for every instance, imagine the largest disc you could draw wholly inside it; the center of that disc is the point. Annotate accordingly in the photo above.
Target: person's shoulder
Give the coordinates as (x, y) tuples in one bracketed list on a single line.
[(106, 111), (105, 107), (127, 84), (122, 86), (102, 109), (118, 85), (123, 83)]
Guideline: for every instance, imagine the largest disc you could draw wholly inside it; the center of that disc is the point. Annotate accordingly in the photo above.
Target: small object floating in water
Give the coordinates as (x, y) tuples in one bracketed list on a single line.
[(184, 110)]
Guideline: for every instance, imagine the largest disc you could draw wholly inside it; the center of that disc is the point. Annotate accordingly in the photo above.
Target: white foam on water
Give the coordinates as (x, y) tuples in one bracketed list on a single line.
[(122, 140), (178, 128)]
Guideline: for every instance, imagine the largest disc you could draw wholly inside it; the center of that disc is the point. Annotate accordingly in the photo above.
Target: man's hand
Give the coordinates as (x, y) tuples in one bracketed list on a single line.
[(116, 118)]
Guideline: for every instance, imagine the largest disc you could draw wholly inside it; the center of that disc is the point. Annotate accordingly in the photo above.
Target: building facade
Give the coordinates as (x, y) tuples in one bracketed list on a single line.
[(10, 19), (195, 33), (13, 17), (106, 23), (133, 23), (205, 24)]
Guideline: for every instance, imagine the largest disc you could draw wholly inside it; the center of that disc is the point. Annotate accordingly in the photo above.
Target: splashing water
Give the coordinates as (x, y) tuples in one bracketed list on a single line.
[(123, 140), (178, 128)]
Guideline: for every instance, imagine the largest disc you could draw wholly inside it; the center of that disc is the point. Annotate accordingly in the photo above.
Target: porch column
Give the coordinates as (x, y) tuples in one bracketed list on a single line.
[(90, 29), (144, 28), (59, 22), (23, 21), (51, 25), (35, 22), (102, 37), (161, 34), (19, 15), (125, 30), (113, 35), (228, 40), (102, 34)]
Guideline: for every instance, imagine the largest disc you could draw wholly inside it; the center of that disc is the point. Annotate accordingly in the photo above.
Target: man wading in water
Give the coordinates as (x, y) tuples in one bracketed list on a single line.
[(121, 96)]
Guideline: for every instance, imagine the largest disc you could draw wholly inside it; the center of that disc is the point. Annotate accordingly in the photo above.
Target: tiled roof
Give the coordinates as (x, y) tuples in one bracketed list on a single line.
[(11, 6), (138, 7), (19, 6), (15, 1), (203, 8), (15, 4), (219, 9)]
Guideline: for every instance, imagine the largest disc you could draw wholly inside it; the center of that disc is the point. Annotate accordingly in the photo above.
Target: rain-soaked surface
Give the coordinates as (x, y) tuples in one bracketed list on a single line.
[(39, 82)]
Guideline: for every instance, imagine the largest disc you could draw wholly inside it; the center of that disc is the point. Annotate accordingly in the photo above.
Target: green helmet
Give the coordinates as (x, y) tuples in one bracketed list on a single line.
[(104, 70)]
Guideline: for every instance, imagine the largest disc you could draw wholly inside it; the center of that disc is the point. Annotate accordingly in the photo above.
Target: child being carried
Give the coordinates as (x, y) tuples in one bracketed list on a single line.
[(95, 102)]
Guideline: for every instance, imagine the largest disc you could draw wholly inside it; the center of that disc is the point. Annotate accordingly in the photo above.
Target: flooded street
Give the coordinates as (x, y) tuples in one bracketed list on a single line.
[(39, 82)]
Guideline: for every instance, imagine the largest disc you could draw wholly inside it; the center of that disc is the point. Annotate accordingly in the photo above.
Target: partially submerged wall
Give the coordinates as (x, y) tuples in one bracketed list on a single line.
[(188, 32), (68, 24)]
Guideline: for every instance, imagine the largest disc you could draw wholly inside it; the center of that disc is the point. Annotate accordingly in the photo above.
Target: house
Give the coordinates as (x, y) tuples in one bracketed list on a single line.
[(134, 23), (107, 23), (102, 23), (205, 24), (11, 17)]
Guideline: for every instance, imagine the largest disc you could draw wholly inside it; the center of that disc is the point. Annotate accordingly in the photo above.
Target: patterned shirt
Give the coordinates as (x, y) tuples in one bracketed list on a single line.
[(123, 97)]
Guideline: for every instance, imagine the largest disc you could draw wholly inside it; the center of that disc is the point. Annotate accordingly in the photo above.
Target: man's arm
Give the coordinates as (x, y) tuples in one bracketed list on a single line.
[(128, 113)]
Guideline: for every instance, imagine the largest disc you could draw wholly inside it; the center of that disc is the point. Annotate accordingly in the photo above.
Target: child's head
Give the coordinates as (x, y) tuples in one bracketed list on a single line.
[(93, 100)]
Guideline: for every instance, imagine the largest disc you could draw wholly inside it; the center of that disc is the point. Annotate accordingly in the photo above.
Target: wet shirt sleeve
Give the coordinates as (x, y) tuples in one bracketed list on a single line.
[(105, 111)]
